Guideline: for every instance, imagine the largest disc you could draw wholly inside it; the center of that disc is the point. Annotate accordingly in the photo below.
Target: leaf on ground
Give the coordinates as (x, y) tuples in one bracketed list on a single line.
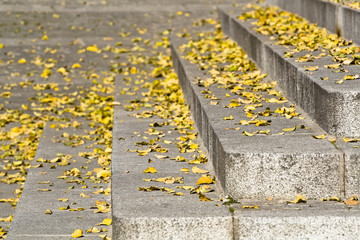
[(77, 233), (290, 129), (150, 170), (322, 136), (250, 207), (205, 179), (299, 199), (106, 221), (353, 200), (198, 170)]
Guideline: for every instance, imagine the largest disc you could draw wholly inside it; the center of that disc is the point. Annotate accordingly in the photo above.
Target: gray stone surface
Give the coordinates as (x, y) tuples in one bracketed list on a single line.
[(157, 215), (30, 220), (311, 220), (334, 107)]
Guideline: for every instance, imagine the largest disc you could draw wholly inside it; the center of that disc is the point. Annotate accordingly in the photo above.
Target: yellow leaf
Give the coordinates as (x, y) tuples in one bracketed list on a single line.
[(351, 139), (106, 221), (351, 77), (311, 68), (103, 174), (205, 179), (184, 170), (250, 207), (319, 136), (249, 134), (92, 48), (22, 61), (77, 233), (198, 170), (289, 129), (204, 198), (299, 199), (7, 219), (48, 211), (76, 65), (178, 194), (333, 66), (84, 195), (229, 118), (334, 198), (150, 170)]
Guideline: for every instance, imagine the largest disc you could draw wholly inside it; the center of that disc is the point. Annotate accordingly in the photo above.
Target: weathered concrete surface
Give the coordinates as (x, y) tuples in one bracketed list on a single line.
[(333, 106), (311, 220), (257, 167), (336, 17), (158, 215), (30, 220)]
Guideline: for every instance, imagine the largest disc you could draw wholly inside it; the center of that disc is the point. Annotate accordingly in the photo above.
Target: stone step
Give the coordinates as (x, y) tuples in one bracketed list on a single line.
[(310, 220), (333, 106), (260, 166), (274, 166), (158, 215), (43, 190), (341, 18)]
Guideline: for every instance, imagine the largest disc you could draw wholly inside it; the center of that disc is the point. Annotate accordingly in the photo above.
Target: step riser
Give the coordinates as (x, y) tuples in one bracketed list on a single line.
[(337, 18), (293, 227), (246, 173), (336, 112)]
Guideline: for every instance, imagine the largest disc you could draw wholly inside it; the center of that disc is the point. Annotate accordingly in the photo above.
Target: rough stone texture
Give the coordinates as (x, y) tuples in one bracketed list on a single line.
[(334, 107), (310, 220), (260, 166)]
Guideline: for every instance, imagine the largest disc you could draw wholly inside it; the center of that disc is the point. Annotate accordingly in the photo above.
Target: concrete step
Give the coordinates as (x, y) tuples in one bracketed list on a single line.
[(157, 214), (260, 166), (339, 17), (310, 220), (333, 106), (43, 190)]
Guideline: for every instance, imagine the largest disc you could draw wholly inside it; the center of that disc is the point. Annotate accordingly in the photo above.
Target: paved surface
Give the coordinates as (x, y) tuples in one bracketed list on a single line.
[(104, 57), (58, 33)]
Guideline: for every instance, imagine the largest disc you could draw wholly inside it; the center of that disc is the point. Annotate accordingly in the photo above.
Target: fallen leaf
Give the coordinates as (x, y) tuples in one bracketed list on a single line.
[(299, 199), (353, 200), (150, 170), (198, 170), (205, 179), (322, 136), (77, 233), (106, 221)]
